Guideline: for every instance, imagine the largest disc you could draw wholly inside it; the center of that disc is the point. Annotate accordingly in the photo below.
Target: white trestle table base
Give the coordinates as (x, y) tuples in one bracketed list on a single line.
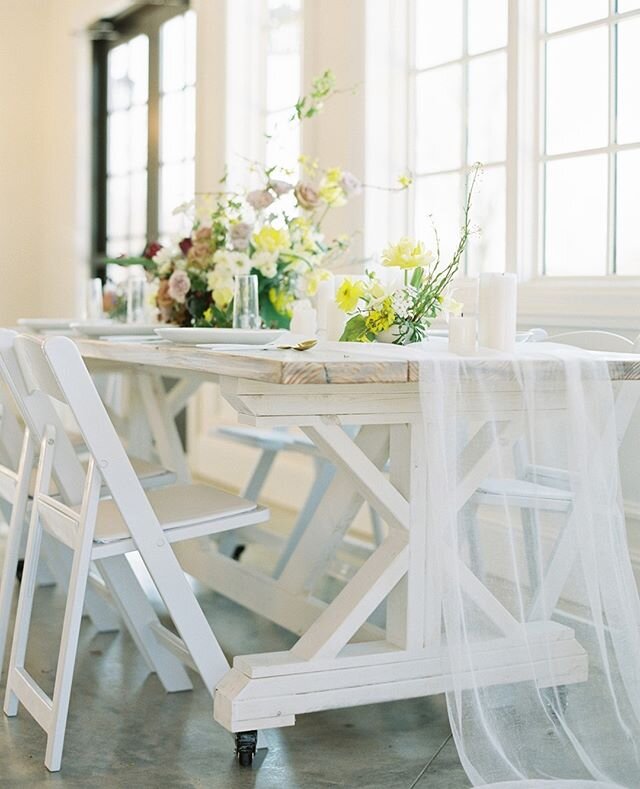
[(341, 659)]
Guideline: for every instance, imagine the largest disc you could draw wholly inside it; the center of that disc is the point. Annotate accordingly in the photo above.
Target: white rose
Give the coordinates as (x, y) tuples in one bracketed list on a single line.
[(240, 263)]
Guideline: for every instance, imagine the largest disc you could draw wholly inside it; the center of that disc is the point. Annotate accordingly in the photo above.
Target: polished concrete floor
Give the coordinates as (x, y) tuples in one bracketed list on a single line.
[(125, 731)]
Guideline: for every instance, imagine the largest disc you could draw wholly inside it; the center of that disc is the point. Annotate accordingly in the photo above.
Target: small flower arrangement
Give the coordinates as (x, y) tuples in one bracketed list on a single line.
[(274, 232), (403, 314)]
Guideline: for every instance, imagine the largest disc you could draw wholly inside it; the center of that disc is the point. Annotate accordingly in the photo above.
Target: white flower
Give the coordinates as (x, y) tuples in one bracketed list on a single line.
[(402, 301), (223, 261), (266, 263), (167, 255), (219, 280), (240, 263)]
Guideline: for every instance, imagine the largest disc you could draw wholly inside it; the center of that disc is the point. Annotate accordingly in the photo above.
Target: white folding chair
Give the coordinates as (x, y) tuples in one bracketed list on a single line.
[(272, 442), (103, 531), (18, 451), (539, 487)]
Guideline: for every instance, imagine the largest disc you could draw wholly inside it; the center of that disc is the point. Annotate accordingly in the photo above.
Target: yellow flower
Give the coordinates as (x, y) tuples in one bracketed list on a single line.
[(271, 239), (407, 253), (208, 315), (333, 175), (309, 166), (405, 180), (331, 191), (349, 294), (381, 319), (222, 297), (282, 301), (314, 277), (332, 194)]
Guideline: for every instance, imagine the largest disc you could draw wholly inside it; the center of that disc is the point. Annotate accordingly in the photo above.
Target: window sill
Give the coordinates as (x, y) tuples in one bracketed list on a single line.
[(608, 302)]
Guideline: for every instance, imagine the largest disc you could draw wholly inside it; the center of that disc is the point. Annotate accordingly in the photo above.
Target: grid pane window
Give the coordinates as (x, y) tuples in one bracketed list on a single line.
[(177, 120), (127, 112), (459, 85), (145, 135), (591, 138), (282, 82)]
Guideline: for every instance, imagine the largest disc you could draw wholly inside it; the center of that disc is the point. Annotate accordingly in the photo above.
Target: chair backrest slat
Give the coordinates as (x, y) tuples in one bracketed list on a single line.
[(75, 387), (628, 393), (38, 411), (11, 433)]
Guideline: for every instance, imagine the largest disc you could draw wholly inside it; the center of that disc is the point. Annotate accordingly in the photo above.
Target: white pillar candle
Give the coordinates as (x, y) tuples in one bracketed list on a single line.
[(325, 295), (497, 311), (462, 334), (303, 319)]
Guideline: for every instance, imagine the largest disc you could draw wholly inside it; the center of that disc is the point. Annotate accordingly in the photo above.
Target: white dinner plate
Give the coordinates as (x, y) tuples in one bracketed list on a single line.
[(108, 328), (191, 336), (46, 324)]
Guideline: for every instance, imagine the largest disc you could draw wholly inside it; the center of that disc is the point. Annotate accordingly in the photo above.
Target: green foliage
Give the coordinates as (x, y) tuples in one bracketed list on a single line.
[(355, 330)]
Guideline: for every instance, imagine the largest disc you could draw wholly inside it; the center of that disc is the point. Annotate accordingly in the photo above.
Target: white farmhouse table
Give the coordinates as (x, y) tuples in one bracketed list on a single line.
[(341, 659)]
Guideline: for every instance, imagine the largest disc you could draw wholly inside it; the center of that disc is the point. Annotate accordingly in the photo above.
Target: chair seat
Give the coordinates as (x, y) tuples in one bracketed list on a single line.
[(176, 506), (150, 475), (519, 492), (262, 438)]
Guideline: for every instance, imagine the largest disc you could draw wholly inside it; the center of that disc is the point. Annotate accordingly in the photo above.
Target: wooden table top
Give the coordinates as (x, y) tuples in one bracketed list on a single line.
[(333, 363)]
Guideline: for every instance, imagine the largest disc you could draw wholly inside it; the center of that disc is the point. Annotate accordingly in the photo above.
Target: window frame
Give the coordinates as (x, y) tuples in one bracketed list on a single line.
[(119, 30), (608, 300)]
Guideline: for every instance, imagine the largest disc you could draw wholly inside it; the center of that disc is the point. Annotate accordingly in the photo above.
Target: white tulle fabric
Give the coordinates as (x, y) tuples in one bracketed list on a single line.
[(551, 590)]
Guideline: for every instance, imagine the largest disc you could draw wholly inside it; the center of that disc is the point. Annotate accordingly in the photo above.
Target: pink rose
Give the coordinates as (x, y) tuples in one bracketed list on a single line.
[(280, 187), (203, 234), (350, 184), (240, 233), (260, 198), (179, 286), (307, 197)]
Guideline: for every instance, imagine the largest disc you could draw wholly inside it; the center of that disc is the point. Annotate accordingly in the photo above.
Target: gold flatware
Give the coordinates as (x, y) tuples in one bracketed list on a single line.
[(305, 345)]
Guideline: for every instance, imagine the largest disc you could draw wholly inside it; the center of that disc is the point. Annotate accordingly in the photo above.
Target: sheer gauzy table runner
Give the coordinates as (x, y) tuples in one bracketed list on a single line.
[(544, 560), (506, 568)]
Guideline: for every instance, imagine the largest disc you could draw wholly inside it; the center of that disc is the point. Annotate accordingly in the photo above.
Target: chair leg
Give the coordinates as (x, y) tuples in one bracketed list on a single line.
[(531, 537), (67, 658), (23, 614), (325, 472), (376, 527), (230, 541), (468, 518), (7, 581), (138, 614)]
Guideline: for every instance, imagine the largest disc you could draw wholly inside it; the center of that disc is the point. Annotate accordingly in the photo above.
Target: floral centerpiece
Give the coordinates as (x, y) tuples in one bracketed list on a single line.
[(402, 313), (274, 231)]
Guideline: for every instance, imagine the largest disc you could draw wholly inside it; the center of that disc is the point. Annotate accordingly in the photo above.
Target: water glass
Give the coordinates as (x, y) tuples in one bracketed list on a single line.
[(136, 298), (246, 309), (94, 310)]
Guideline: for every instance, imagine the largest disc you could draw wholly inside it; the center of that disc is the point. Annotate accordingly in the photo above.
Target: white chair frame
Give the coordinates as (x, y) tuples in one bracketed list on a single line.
[(53, 368)]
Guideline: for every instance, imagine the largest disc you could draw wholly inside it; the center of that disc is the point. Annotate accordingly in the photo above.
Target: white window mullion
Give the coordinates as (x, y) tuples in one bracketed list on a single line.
[(612, 156)]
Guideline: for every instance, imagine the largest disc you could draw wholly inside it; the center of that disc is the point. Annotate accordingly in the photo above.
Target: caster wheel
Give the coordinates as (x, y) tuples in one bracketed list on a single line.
[(556, 699), (20, 570), (237, 552), (245, 759), (246, 742)]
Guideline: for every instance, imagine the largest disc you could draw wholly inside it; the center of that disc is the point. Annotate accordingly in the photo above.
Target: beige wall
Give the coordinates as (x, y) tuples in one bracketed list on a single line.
[(44, 153), (23, 131)]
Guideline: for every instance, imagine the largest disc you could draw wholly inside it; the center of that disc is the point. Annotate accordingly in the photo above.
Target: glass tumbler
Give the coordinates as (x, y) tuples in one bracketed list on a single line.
[(246, 309), (94, 310), (136, 297)]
